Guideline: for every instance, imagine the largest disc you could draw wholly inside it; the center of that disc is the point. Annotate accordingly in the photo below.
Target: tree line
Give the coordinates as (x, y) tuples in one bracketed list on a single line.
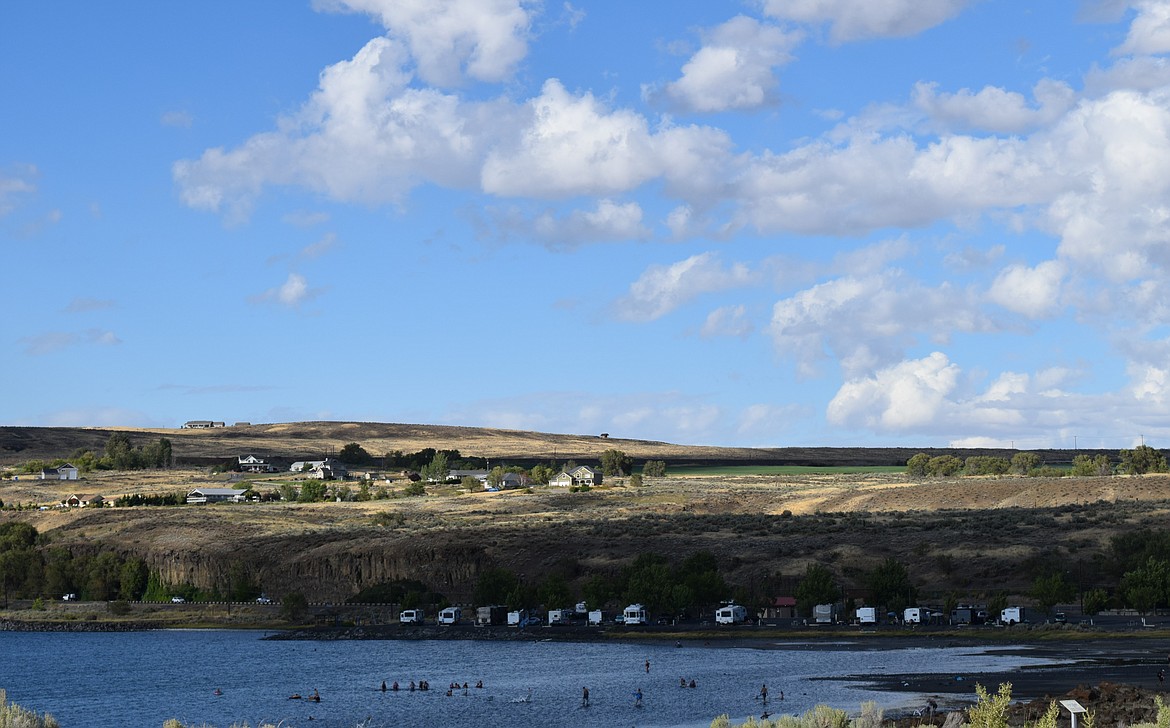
[(1138, 461)]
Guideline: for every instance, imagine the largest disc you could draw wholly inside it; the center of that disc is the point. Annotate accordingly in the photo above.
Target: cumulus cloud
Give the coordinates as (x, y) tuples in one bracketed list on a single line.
[(1033, 292), (900, 398), (734, 69), (364, 136), (992, 108), (866, 323), (662, 288), (727, 321), (608, 221), (851, 20), (1149, 33), (449, 39), (292, 293)]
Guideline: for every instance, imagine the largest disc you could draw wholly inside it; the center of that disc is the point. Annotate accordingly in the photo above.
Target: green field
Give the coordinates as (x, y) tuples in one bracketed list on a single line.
[(781, 469)]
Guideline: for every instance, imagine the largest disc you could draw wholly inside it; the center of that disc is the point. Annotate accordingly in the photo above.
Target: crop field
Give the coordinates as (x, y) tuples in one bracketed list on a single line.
[(707, 470)]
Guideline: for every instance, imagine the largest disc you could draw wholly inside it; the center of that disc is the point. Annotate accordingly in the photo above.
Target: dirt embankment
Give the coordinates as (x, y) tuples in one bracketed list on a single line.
[(969, 536)]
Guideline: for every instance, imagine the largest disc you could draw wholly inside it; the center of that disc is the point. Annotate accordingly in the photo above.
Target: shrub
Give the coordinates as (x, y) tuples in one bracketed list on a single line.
[(415, 489), (991, 710), (12, 714)]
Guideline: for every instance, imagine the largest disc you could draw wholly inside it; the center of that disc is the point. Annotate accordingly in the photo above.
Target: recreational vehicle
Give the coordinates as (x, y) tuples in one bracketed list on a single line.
[(450, 615), (596, 617), (825, 614), (1012, 615), (490, 616), (411, 616), (866, 615), (560, 616), (635, 614), (915, 615), (730, 614)]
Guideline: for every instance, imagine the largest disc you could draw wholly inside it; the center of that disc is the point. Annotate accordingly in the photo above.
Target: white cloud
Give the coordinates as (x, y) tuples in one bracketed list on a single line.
[(364, 136), (54, 341), (867, 323), (608, 221), (1149, 33), (904, 397), (734, 68), (992, 108), (572, 145), (1033, 292), (292, 293), (662, 288), (859, 19), (727, 321), (321, 247), (16, 182), (449, 39)]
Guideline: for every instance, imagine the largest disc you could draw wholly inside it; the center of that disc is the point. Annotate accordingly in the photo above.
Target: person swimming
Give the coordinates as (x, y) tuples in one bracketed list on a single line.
[(638, 698), (383, 686), (692, 685)]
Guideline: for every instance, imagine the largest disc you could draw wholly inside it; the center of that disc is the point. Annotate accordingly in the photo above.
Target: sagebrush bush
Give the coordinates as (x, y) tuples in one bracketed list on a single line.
[(14, 716)]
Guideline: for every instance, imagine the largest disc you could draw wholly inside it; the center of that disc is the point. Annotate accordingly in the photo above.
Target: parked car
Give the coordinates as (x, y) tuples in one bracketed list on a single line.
[(178, 600), (263, 600), (69, 598)]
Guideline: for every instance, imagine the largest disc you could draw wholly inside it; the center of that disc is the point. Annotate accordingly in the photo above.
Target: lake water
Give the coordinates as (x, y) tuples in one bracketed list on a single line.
[(100, 680)]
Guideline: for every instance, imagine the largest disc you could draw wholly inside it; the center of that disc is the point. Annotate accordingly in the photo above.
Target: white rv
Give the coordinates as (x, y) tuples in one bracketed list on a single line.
[(596, 617), (411, 616), (825, 613), (866, 615), (515, 618), (560, 616), (635, 614), (450, 615), (915, 615), (730, 614), (1013, 615)]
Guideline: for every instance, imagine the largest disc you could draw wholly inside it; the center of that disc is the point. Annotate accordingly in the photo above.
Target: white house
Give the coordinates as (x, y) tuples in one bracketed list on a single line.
[(216, 495), (578, 476), (83, 501), (327, 469), (201, 424), (62, 472), (253, 464)]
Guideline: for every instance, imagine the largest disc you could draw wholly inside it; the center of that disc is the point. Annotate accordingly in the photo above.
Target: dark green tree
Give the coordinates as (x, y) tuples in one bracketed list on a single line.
[(654, 468), (1052, 589), (554, 592), (494, 585), (1024, 462), (616, 462), (916, 466), (1141, 460), (354, 454), (132, 579), (890, 586), (313, 491), (1145, 588), (818, 586)]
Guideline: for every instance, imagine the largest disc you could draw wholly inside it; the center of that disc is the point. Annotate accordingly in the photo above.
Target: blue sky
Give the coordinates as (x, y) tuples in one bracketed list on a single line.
[(767, 223)]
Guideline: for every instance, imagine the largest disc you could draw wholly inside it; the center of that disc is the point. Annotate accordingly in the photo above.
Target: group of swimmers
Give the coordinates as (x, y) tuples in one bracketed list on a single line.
[(424, 685), (682, 683)]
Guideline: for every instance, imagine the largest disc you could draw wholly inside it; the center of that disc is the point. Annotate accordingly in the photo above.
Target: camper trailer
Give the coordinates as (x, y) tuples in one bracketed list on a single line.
[(596, 617), (515, 618), (490, 616), (730, 614), (560, 616), (411, 616), (635, 614), (825, 614), (450, 615), (866, 615), (915, 615), (1013, 615)]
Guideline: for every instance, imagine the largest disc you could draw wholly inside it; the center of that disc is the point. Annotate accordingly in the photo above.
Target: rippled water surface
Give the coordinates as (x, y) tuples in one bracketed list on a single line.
[(143, 678)]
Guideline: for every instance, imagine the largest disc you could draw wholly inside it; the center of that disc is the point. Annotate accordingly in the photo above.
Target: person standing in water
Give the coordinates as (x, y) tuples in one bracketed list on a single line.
[(764, 693), (647, 666), (638, 697), (584, 697)]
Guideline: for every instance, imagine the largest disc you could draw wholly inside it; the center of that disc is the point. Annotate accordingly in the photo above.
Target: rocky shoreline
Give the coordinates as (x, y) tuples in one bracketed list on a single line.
[(17, 625)]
